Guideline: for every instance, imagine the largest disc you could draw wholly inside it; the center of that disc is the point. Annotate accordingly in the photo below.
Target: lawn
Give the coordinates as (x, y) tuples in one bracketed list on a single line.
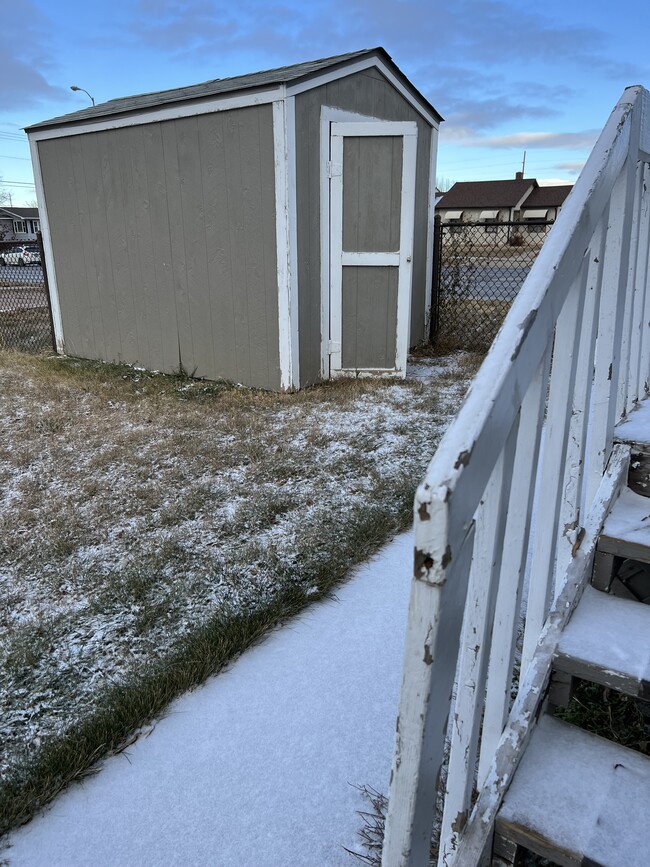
[(152, 527)]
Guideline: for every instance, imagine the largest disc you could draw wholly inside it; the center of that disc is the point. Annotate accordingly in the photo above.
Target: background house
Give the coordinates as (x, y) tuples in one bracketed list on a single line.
[(19, 224), (272, 229), (544, 203), (493, 202)]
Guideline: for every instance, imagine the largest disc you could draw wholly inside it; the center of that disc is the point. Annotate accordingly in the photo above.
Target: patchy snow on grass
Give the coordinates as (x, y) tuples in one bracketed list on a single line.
[(132, 512)]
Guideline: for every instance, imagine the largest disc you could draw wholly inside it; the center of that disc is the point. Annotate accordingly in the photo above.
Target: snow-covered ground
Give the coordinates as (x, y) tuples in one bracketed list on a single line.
[(257, 767)]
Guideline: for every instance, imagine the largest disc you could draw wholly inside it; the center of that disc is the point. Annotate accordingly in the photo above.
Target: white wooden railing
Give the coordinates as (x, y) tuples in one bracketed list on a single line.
[(508, 514)]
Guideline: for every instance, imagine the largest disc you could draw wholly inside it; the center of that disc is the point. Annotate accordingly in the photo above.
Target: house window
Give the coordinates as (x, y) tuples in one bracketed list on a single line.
[(455, 225), (536, 228), (20, 227), (34, 226), (492, 227)]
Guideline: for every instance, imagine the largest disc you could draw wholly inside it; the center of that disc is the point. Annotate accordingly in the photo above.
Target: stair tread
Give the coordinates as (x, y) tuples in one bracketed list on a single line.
[(606, 641), (626, 531), (635, 429), (579, 799)]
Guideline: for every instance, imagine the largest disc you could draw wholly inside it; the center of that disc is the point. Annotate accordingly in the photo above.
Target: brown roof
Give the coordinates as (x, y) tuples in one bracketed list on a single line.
[(19, 213), (548, 197), (486, 194)]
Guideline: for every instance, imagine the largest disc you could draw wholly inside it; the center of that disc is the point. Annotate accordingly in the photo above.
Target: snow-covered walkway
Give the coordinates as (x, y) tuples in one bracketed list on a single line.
[(255, 768)]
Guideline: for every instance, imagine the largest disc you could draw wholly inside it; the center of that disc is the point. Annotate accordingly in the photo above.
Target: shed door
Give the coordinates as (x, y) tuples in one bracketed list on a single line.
[(372, 170)]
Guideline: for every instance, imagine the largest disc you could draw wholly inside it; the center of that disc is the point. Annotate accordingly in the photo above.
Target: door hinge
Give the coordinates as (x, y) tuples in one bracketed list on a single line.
[(334, 170), (333, 347)]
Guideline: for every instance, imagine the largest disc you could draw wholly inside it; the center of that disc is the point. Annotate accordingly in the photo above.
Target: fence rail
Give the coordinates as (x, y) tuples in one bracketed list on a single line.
[(478, 272), (25, 314), (508, 513)]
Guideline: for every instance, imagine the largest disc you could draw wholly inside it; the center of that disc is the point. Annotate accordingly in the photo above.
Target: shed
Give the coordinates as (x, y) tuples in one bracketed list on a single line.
[(273, 229)]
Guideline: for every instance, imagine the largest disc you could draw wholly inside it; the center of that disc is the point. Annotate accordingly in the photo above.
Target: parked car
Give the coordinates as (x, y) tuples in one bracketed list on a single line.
[(23, 254)]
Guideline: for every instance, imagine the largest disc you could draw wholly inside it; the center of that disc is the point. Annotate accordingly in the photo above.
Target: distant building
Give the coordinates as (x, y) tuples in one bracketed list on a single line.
[(19, 224), (494, 202)]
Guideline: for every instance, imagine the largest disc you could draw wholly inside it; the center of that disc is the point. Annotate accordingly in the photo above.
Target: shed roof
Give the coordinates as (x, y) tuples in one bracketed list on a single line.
[(486, 194), (295, 73), (548, 197)]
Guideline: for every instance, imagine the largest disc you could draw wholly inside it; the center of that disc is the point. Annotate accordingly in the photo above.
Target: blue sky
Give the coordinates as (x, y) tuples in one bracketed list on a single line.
[(506, 76)]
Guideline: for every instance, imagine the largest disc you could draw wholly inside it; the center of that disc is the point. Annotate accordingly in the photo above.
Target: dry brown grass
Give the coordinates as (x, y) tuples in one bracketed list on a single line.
[(153, 526)]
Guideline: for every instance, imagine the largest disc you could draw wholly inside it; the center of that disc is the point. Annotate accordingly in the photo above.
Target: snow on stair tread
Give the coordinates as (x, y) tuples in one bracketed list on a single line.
[(628, 527), (636, 427), (606, 641), (579, 799)]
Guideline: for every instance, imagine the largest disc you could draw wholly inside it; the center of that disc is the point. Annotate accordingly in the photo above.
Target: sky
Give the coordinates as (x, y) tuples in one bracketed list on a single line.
[(507, 77)]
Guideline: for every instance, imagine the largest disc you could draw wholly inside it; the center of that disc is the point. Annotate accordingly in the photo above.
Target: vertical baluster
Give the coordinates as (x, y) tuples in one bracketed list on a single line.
[(639, 351), (629, 302), (563, 372), (513, 566), (574, 468), (475, 647), (606, 367)]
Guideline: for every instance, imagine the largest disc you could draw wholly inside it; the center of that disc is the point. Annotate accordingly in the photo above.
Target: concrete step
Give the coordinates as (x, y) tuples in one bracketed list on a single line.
[(579, 800), (607, 641)]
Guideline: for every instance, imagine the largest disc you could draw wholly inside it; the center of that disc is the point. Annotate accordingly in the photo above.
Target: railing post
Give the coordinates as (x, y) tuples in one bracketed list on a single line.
[(434, 319), (46, 286), (439, 585)]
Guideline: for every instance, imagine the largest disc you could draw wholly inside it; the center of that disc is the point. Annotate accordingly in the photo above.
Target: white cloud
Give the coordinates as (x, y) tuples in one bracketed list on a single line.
[(572, 168), (553, 182), (574, 140)]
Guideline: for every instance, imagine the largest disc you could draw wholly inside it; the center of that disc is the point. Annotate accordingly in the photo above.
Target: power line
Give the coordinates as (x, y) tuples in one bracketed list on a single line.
[(14, 136), (9, 157)]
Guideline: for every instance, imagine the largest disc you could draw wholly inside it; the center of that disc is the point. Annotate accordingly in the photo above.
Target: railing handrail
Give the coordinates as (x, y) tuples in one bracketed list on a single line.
[(575, 223), (592, 269)]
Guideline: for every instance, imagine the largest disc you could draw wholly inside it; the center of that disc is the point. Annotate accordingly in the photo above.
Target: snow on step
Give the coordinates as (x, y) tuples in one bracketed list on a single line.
[(606, 642), (626, 532), (636, 427), (579, 799)]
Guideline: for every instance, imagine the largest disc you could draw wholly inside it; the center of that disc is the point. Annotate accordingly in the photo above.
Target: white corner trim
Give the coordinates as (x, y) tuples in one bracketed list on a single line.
[(292, 204), (171, 112), (285, 217), (359, 66), (428, 289), (47, 247)]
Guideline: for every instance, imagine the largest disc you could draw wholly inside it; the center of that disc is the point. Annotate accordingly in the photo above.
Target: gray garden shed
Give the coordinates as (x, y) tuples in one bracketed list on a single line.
[(273, 229)]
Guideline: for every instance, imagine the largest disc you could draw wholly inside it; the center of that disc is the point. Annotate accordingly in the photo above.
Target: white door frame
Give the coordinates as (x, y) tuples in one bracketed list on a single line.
[(331, 237)]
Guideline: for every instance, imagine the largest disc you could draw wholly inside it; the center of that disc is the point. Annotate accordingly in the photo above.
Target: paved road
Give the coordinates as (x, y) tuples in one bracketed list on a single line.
[(476, 281)]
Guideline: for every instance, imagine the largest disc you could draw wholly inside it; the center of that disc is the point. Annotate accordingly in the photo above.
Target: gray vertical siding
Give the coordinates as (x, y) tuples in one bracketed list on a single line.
[(164, 244), (368, 93)]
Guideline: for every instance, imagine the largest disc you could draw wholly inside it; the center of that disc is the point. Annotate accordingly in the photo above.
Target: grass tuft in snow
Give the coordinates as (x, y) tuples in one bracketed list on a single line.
[(610, 714)]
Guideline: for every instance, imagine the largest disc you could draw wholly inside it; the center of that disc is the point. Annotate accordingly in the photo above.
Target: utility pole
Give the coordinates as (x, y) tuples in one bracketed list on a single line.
[(523, 165)]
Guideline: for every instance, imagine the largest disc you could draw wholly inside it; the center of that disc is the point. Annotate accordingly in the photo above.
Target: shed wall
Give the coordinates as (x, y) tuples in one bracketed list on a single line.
[(164, 244), (367, 93)]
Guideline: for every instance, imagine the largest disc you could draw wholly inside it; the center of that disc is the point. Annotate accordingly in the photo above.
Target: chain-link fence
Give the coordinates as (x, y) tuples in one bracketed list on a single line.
[(479, 269), (25, 316)]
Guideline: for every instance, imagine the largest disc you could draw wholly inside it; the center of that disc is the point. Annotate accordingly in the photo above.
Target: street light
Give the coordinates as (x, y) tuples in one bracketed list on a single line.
[(74, 87)]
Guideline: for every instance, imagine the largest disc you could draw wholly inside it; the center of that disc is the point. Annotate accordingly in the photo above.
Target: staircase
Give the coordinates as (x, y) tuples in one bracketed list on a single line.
[(577, 798), (532, 537)]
